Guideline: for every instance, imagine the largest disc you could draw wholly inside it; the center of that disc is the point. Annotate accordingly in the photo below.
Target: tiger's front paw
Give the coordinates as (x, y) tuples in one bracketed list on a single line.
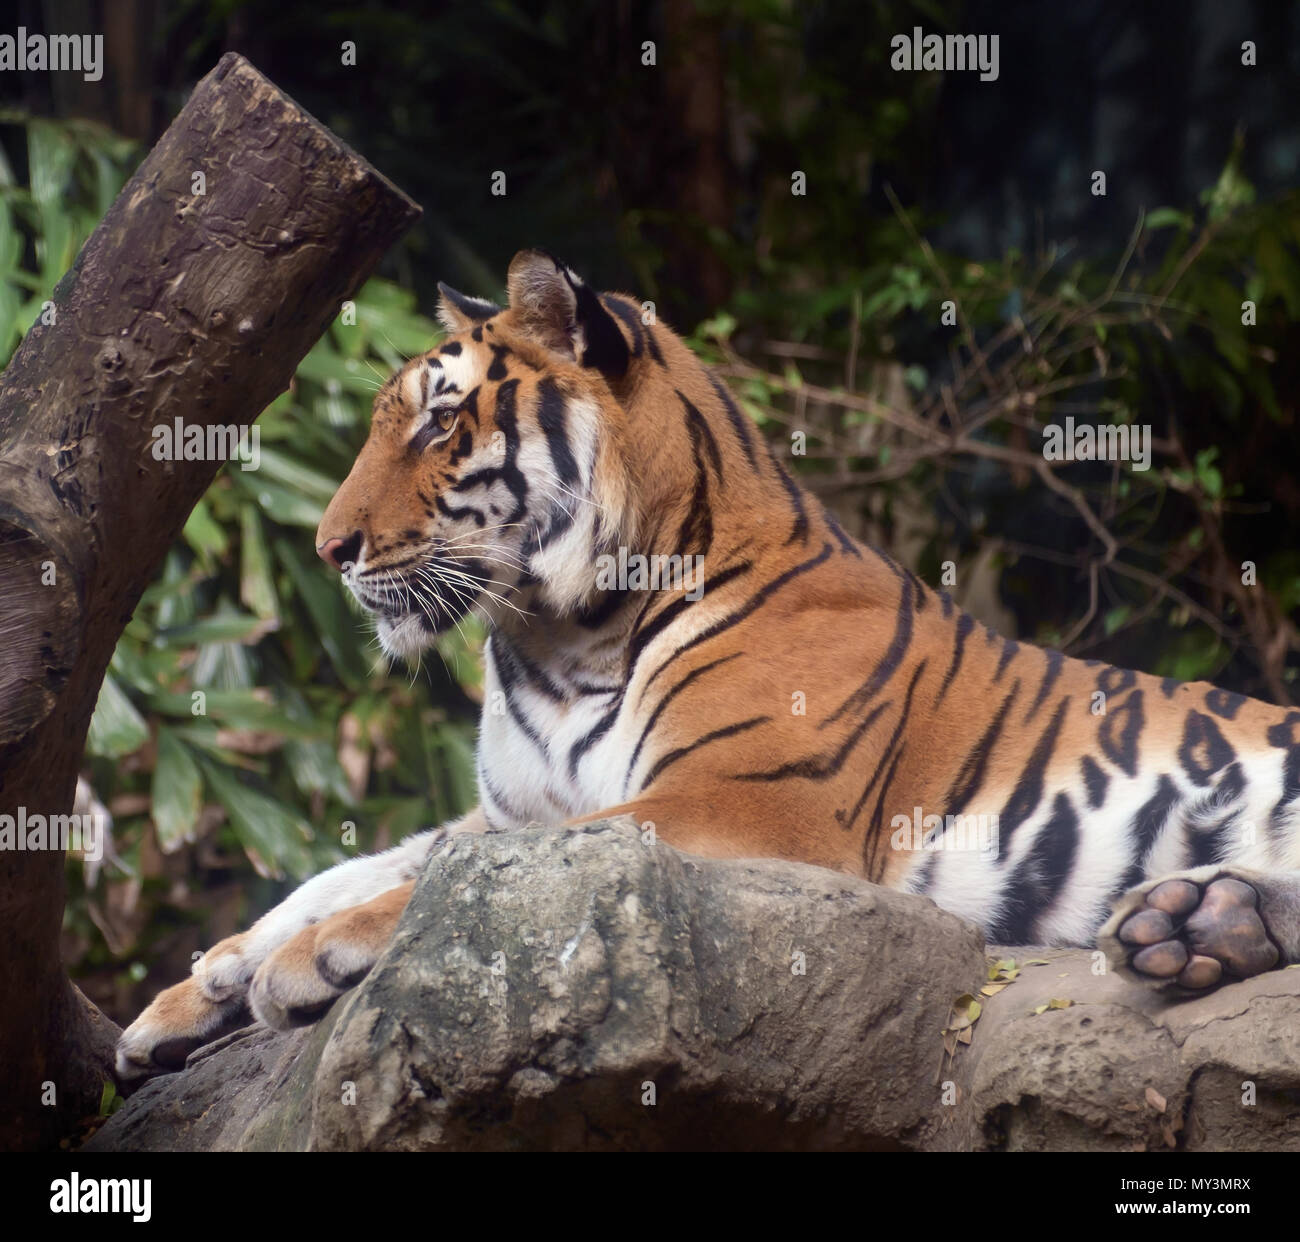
[(178, 1020), (1196, 934), (298, 983)]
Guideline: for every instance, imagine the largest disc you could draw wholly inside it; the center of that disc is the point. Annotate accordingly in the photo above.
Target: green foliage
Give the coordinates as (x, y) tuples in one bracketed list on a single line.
[(247, 719), (932, 432)]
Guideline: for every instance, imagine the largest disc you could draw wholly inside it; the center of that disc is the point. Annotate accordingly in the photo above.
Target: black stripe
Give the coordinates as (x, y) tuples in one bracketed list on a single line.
[(1168, 685), (696, 535), (1147, 824), (1028, 792), (893, 741), (848, 546), (610, 603), (1279, 826), (971, 774), (1115, 680), (663, 704), (539, 679), (822, 766), (497, 795), (1224, 703), (1204, 750), (800, 529), (508, 673), (739, 423), (551, 409), (701, 433), (470, 405), (1096, 781), (965, 624), (1039, 877), (1009, 650), (1120, 732), (919, 590), (875, 835), (925, 875), (1207, 821), (1283, 734), (682, 751), (1055, 662), (592, 736), (755, 602), (509, 472), (458, 512), (643, 635), (889, 662), (641, 335)]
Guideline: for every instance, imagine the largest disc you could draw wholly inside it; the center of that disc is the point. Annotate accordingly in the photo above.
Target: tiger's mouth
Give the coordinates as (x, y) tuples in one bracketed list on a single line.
[(413, 605)]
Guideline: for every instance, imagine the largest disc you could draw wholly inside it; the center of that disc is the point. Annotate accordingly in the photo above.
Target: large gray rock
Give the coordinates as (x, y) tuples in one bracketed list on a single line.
[(584, 989)]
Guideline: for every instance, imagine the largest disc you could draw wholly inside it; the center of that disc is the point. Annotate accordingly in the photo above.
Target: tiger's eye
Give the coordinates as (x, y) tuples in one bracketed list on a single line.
[(446, 418)]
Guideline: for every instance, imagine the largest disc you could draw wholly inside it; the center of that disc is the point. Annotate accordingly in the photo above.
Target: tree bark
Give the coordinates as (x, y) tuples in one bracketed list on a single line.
[(183, 303)]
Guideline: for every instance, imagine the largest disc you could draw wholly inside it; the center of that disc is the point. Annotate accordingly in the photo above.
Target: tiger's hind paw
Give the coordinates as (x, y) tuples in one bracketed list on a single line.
[(1193, 931)]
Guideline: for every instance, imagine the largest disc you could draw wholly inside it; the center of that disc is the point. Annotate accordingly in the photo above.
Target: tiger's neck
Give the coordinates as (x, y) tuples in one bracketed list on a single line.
[(708, 505)]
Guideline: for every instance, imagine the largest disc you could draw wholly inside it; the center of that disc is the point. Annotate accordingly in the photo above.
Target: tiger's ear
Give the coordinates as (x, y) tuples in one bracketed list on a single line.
[(553, 307), (458, 312)]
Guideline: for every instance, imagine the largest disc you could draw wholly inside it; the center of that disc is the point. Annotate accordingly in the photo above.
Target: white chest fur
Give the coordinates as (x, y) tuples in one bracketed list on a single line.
[(549, 748)]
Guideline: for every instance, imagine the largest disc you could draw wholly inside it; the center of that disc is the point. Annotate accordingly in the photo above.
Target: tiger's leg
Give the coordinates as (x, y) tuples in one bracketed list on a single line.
[(306, 974), (215, 998), (302, 978), (1205, 926)]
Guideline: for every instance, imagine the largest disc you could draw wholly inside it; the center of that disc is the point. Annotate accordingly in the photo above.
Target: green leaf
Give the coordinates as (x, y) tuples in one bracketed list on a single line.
[(177, 792), (273, 836), (109, 1100), (204, 534), (233, 627), (323, 598), (280, 504), (1115, 618), (720, 327), (240, 709), (1168, 217), (116, 728), (256, 583), (298, 478)]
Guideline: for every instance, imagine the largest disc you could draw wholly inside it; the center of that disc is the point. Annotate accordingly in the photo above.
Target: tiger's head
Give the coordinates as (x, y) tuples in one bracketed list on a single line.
[(493, 474)]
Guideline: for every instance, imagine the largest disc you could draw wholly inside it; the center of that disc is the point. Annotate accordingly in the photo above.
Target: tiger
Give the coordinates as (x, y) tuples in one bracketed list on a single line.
[(808, 698)]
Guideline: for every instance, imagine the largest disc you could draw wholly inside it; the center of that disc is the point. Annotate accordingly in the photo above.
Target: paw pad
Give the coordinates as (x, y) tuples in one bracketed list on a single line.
[(1196, 936)]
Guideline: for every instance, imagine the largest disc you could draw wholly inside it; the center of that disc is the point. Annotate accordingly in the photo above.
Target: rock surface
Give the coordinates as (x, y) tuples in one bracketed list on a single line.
[(582, 989)]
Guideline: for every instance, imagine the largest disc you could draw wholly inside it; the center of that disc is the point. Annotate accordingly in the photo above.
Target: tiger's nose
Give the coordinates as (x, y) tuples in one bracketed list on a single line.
[(341, 552)]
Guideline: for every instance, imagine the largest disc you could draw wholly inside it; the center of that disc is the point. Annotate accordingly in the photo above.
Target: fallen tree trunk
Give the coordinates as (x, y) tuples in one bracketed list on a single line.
[(220, 264)]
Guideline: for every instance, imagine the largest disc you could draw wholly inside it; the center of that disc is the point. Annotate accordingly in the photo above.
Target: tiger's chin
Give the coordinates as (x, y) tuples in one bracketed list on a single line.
[(405, 636)]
